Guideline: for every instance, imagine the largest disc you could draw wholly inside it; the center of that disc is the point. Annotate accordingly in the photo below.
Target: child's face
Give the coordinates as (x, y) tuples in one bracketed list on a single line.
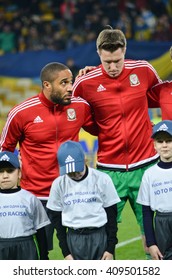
[(75, 175), (9, 177), (163, 146)]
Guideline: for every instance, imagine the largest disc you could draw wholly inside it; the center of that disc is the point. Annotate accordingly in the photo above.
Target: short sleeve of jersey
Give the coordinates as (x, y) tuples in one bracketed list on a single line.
[(40, 216), (108, 190), (55, 201)]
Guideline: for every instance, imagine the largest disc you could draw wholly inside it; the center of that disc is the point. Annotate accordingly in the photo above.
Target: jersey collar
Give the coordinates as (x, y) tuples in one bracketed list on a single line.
[(47, 102)]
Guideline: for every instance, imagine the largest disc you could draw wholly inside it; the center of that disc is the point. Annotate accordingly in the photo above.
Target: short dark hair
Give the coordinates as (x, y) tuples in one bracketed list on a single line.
[(111, 39), (49, 71)]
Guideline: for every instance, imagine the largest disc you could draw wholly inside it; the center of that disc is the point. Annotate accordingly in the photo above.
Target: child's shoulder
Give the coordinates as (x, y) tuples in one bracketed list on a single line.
[(99, 173), (27, 194), (152, 169)]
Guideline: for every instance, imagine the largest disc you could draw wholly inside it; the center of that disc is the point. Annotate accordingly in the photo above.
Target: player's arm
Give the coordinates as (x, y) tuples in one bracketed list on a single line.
[(153, 97), (89, 123), (159, 87), (154, 81), (11, 133)]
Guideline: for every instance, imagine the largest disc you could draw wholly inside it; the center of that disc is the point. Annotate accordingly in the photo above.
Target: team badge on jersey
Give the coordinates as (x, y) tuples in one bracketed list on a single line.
[(134, 80), (71, 114)]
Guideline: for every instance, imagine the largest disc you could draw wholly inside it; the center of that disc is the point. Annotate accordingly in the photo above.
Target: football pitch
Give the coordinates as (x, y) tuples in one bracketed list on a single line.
[(129, 240)]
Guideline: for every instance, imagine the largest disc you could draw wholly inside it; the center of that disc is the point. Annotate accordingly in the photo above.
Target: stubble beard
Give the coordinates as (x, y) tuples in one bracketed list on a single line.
[(60, 101)]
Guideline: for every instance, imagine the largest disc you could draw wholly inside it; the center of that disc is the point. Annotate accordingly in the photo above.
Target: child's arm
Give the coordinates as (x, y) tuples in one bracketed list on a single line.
[(42, 243), (111, 229), (148, 223), (148, 215), (56, 220)]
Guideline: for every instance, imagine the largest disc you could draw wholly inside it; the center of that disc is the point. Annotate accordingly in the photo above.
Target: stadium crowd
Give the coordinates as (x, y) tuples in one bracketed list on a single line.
[(62, 24)]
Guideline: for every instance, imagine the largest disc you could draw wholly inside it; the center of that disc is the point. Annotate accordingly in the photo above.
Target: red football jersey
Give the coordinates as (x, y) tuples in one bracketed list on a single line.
[(39, 126), (120, 107)]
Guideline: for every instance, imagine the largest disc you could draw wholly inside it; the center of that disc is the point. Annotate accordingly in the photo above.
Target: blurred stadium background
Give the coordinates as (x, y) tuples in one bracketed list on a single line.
[(36, 32)]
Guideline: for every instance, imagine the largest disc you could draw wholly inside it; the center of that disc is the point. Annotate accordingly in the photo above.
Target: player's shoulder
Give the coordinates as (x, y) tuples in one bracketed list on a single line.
[(94, 73), (140, 67), (164, 85), (26, 104), (79, 100), (130, 63)]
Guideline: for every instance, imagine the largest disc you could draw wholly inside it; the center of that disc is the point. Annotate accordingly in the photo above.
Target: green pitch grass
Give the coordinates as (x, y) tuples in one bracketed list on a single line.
[(128, 248)]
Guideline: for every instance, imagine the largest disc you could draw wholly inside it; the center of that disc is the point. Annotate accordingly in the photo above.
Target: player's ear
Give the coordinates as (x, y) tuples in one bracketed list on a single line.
[(124, 50), (46, 84), (99, 52)]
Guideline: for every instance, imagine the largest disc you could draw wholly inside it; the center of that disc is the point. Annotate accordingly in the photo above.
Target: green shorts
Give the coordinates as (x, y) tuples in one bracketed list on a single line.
[(127, 184)]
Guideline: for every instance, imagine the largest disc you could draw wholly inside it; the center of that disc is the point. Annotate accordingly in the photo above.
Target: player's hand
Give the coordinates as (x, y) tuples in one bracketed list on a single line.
[(155, 253), (107, 256), (152, 123), (85, 70), (69, 257)]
